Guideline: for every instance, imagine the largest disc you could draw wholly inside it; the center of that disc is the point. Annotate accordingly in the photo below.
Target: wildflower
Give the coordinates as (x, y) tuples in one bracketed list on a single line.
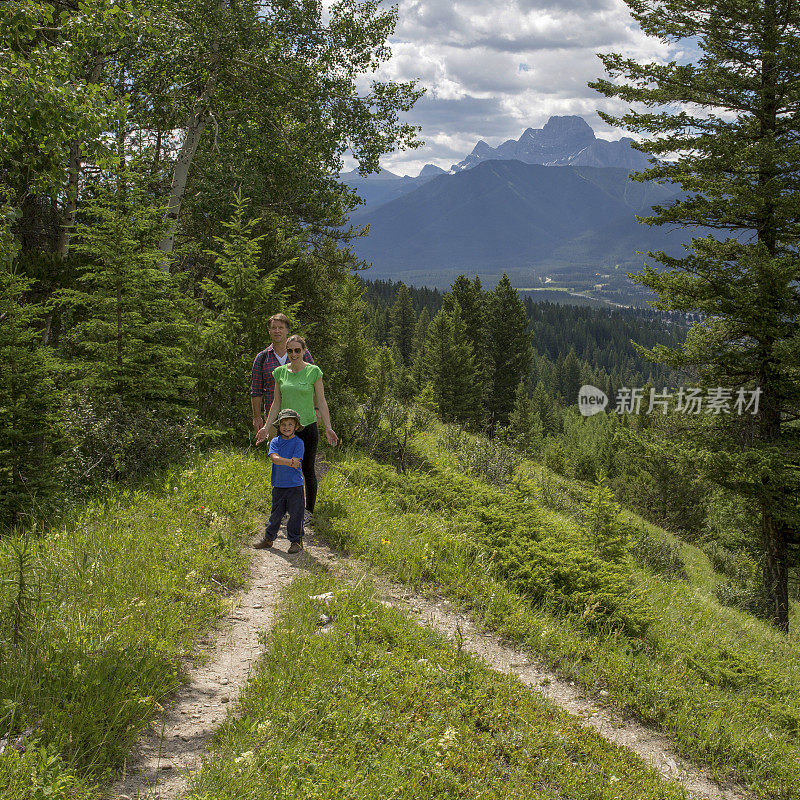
[(245, 759), (447, 740)]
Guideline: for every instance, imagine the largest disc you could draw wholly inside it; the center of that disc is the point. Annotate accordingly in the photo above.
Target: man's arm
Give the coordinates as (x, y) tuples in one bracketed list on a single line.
[(255, 402), (257, 389)]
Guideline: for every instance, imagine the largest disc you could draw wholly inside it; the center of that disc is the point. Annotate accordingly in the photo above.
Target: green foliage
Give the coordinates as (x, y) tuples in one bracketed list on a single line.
[(721, 683), (524, 423), (426, 408), (240, 301), (449, 366), (39, 773), (107, 607), (727, 125), (8, 244), (510, 345), (128, 346), (558, 571), (658, 553), (28, 396), (490, 459), (105, 445), (132, 327), (47, 99), (403, 322), (605, 525)]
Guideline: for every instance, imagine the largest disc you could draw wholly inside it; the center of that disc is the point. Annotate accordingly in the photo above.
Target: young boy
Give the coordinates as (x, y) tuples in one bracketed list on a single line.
[(286, 452)]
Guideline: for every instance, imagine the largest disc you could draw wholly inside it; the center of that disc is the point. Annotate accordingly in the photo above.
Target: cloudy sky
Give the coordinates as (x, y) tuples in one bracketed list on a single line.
[(492, 69)]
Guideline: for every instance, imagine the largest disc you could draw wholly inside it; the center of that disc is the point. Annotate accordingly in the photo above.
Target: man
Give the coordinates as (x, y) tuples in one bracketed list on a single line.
[(262, 385)]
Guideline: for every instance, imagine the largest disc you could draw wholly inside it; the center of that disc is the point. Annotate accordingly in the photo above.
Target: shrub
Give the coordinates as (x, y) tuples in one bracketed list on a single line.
[(660, 555), (490, 459), (38, 773), (752, 599), (604, 524), (554, 456), (739, 566), (558, 570), (107, 442)]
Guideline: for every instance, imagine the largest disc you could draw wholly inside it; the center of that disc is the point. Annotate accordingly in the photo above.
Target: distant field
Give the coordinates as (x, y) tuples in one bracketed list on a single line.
[(565, 297)]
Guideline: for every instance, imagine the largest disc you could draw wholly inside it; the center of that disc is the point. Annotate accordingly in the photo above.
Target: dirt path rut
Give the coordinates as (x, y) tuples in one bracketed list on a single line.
[(174, 744), (652, 747)]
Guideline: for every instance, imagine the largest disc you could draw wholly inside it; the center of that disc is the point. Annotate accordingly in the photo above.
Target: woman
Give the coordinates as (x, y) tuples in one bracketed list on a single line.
[(298, 385)]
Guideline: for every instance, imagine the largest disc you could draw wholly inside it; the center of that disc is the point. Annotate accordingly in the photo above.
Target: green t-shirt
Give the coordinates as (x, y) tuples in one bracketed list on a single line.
[(297, 390)]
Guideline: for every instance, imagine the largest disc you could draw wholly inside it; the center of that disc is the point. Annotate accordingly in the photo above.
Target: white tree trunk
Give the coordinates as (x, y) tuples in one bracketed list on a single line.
[(69, 213), (180, 175), (194, 133)]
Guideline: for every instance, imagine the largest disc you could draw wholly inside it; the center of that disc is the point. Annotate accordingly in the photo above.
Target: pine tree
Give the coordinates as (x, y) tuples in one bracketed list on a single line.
[(450, 368), (240, 302), (733, 148), (468, 382), (524, 423), (544, 406), (132, 324), (473, 301), (128, 342), (402, 323), (605, 524), (28, 400), (571, 378), (510, 346)]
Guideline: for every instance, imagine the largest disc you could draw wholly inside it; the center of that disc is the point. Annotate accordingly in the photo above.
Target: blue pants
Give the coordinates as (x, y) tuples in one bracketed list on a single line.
[(286, 500)]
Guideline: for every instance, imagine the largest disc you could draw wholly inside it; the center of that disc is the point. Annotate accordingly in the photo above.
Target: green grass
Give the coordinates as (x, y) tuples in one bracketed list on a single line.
[(98, 616), (723, 684), (378, 708)]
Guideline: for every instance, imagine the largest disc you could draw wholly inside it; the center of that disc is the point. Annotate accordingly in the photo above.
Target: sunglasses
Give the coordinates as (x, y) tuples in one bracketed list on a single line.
[(294, 349)]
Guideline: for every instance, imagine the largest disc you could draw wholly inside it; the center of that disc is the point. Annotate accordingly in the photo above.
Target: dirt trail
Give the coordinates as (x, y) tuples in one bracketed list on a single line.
[(160, 763), (652, 747), (173, 745)]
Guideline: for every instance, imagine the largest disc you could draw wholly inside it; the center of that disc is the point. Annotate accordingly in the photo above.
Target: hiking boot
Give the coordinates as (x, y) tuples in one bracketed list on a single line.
[(295, 547), (264, 544), (308, 517)]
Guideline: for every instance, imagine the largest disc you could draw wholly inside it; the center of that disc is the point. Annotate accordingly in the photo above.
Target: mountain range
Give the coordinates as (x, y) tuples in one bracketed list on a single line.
[(554, 208), (562, 142)]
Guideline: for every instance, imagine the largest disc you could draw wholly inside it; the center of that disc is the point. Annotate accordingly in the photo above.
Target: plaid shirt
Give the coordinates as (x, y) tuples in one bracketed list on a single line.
[(262, 383)]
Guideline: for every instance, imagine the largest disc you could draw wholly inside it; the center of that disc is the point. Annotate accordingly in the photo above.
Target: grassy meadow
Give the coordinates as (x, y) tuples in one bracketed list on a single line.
[(99, 615), (374, 707), (721, 683)]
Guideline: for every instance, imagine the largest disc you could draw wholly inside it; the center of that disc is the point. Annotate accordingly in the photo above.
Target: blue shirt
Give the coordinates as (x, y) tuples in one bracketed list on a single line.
[(282, 476)]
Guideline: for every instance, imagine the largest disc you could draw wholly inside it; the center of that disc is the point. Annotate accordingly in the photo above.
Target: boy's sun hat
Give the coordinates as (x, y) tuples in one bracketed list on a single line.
[(288, 413)]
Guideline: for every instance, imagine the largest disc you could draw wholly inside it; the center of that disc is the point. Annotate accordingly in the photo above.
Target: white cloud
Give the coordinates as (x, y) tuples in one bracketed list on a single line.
[(493, 69)]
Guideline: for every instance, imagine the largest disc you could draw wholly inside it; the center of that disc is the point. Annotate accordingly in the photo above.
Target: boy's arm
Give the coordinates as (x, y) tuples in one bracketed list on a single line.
[(298, 452), (276, 459)]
